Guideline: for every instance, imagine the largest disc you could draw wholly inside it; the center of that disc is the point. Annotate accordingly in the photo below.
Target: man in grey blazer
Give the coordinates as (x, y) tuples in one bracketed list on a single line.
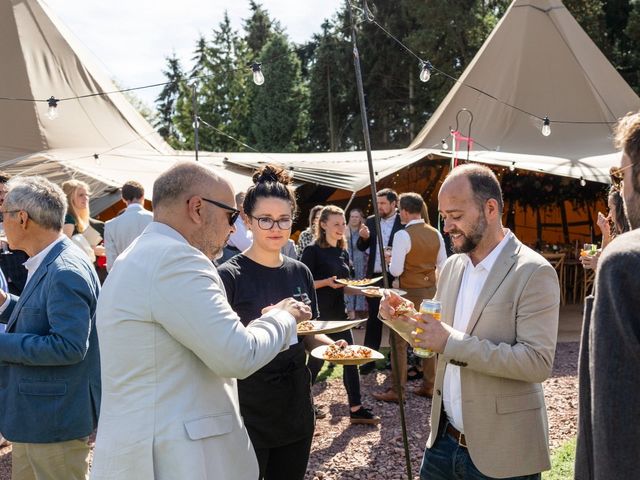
[(172, 347), (120, 231), (608, 427), (496, 341), (50, 375)]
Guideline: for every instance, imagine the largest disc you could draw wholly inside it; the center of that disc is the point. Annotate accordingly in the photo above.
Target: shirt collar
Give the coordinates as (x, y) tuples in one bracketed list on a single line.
[(413, 222), (134, 206), (489, 260), (390, 219), (34, 262)]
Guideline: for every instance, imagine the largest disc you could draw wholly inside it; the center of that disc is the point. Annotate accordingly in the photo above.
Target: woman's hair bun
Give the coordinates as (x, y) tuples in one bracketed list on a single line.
[(272, 174)]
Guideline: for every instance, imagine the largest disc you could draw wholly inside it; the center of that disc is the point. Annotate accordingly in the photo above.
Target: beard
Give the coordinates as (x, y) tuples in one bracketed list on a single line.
[(632, 211), (471, 239)]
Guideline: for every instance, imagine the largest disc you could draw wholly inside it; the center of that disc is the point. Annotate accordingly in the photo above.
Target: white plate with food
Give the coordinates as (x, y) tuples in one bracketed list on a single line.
[(358, 283), (349, 355), (377, 291), (311, 327)]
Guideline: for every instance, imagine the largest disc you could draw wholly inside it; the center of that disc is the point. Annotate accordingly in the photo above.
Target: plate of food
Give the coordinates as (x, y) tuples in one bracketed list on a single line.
[(349, 355), (405, 309), (311, 327), (358, 283), (377, 291)]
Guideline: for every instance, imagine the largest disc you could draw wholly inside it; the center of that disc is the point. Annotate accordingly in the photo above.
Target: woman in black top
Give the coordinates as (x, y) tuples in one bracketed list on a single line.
[(276, 401), (328, 259)]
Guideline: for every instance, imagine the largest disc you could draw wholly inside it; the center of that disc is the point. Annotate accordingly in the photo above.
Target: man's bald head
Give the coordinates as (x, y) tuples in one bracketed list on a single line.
[(185, 179)]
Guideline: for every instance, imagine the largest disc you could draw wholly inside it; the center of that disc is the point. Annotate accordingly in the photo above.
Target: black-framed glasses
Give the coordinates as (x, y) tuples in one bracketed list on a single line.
[(233, 216), (266, 223)]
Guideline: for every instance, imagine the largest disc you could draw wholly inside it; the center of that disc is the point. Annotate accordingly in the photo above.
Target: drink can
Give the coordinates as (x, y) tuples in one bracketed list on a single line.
[(434, 308)]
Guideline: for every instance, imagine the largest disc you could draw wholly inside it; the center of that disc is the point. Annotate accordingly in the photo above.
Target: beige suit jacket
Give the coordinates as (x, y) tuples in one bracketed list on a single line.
[(170, 350), (504, 355)]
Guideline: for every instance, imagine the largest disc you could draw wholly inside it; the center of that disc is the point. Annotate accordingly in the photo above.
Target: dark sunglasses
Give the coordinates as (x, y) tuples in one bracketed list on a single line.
[(617, 174), (233, 216)]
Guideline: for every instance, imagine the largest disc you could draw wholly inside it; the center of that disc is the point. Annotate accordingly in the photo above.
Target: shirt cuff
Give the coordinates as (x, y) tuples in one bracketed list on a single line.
[(284, 317)]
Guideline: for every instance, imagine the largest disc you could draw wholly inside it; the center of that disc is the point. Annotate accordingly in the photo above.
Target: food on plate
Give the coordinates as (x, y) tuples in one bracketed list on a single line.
[(349, 352), (306, 326), (374, 291), (354, 283), (405, 309)]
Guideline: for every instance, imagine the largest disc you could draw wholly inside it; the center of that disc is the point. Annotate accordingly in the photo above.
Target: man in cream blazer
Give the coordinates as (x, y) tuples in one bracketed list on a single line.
[(496, 341), (120, 231), (172, 346)]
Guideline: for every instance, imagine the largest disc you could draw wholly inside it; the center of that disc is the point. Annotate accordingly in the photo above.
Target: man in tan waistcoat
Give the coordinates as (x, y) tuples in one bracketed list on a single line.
[(418, 253)]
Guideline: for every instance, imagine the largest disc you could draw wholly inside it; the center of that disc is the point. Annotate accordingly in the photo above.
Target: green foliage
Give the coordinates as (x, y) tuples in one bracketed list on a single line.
[(279, 107), (562, 462), (309, 100)]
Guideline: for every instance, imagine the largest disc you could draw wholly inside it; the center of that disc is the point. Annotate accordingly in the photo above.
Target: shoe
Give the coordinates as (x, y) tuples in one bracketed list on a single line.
[(414, 374), (389, 395), (364, 416), (367, 368), (424, 392), (320, 414)]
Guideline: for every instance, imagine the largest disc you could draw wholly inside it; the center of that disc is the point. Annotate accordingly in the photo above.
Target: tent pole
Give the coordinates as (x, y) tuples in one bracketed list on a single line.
[(372, 180), (353, 195), (196, 120)]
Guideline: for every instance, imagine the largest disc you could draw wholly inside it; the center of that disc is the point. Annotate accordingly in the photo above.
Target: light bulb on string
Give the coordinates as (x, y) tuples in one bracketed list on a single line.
[(445, 145), (258, 76), (512, 167), (425, 71), (546, 127), (96, 157), (52, 111), (368, 13), (583, 182)]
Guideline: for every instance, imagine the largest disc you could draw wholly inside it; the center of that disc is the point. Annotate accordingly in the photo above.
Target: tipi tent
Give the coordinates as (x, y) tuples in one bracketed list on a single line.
[(101, 139), (537, 62)]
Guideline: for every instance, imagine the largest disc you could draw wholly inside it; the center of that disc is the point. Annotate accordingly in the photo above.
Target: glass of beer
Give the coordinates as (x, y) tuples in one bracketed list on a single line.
[(434, 308)]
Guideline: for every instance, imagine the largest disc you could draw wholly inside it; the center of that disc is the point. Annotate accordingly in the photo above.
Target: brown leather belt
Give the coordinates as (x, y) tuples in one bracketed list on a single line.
[(456, 435)]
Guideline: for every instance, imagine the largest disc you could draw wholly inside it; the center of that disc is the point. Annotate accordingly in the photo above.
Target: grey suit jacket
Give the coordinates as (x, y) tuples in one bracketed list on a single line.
[(614, 360), (120, 231), (504, 355)]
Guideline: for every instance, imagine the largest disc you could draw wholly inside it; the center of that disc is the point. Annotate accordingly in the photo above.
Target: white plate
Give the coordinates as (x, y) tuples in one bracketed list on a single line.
[(331, 326), (369, 281), (318, 352)]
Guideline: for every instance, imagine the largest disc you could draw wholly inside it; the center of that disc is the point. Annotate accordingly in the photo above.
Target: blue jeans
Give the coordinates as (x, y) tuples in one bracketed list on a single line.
[(446, 460)]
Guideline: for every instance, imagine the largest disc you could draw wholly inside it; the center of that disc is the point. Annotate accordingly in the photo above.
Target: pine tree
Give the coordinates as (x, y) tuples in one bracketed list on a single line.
[(166, 100), (278, 121)]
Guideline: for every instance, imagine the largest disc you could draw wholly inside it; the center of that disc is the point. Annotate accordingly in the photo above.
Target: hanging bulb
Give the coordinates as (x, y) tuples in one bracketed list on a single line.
[(425, 71), (258, 76), (445, 145), (583, 182), (196, 122), (368, 13), (96, 157), (546, 127), (512, 167), (52, 112)]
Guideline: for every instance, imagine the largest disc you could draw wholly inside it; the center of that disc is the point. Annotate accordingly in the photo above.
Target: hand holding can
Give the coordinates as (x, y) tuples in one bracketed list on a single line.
[(433, 308)]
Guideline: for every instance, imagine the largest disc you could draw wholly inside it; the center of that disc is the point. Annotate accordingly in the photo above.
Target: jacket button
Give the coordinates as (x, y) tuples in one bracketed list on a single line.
[(437, 392)]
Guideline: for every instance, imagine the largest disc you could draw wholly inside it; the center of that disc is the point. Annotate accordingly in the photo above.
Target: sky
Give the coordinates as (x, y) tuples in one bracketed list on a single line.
[(132, 38)]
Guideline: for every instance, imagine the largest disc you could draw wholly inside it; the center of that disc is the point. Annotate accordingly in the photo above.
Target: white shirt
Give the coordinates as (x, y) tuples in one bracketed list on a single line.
[(32, 265), (473, 281), (402, 246), (386, 225), (241, 238)]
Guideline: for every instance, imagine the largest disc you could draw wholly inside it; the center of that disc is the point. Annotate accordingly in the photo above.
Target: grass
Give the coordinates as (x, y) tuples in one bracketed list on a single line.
[(562, 461)]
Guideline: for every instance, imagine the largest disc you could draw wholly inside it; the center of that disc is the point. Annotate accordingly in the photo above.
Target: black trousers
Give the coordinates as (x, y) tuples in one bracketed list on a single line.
[(350, 375), (285, 462), (373, 334)]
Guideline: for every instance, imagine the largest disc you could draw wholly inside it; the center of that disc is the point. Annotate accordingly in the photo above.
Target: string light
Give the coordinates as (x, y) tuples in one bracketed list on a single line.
[(512, 167), (258, 76), (425, 70), (52, 111), (445, 145), (583, 182), (546, 127)]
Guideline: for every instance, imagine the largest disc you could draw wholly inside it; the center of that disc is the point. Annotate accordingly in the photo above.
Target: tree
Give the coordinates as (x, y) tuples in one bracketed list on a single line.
[(259, 28), (166, 101), (278, 120)]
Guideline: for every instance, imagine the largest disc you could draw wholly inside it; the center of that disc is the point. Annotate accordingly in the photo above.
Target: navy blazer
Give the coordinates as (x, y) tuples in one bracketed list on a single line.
[(371, 244), (49, 358)]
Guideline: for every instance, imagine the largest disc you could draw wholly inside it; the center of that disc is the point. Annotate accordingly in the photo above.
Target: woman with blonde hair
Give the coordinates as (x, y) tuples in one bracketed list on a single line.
[(78, 221)]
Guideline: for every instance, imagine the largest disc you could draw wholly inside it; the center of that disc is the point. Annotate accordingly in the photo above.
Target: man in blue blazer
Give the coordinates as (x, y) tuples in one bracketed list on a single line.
[(49, 359)]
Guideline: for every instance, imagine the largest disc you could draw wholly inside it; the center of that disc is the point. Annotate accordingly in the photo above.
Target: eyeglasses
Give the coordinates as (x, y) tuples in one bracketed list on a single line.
[(233, 216), (266, 223), (616, 174), (9, 211)]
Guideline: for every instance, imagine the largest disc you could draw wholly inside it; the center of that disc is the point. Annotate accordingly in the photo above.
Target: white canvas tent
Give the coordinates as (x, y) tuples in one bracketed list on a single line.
[(100, 139), (539, 60)]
